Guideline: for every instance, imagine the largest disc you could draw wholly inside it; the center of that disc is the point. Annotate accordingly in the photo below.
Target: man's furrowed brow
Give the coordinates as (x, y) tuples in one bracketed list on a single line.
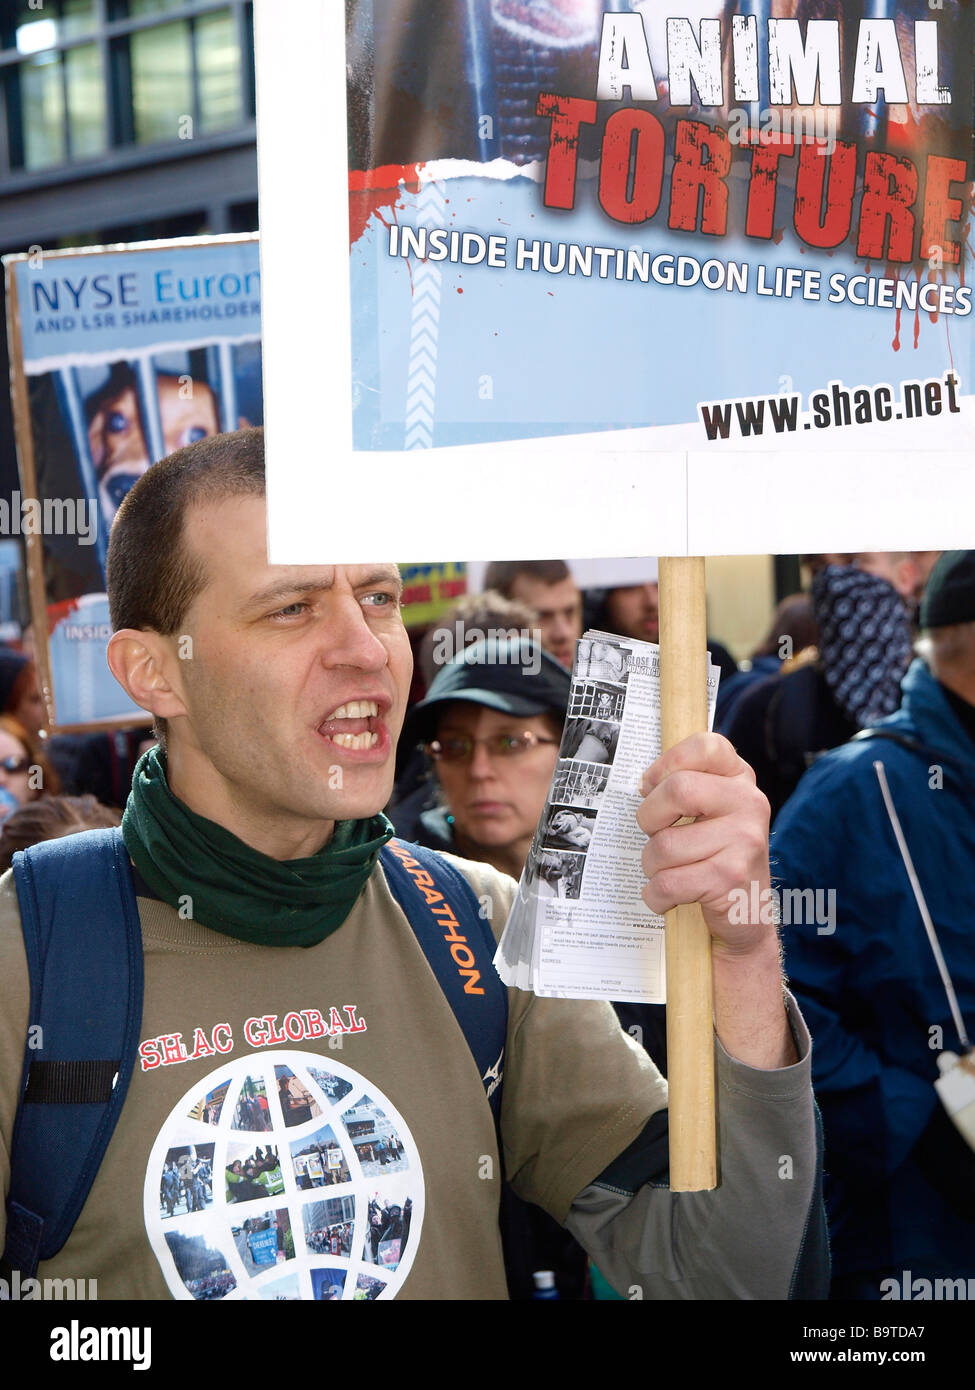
[(288, 588), (380, 574), (295, 587)]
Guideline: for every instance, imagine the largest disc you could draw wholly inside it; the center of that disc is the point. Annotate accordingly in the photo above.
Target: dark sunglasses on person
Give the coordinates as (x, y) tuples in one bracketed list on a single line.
[(460, 748), (13, 764)]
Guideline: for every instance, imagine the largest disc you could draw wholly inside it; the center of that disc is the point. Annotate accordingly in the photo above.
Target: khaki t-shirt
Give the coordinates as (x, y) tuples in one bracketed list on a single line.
[(310, 1123)]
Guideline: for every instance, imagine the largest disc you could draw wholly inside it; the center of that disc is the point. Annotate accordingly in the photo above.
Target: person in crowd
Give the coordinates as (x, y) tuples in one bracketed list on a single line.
[(906, 571), (472, 618), (20, 693), (547, 587), (792, 631), (901, 1179), (491, 728), (267, 757), (633, 610), (50, 817), (97, 764), (25, 773), (785, 722)]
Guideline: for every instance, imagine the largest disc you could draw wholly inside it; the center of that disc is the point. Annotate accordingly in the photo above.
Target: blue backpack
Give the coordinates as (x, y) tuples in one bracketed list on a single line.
[(86, 1012)]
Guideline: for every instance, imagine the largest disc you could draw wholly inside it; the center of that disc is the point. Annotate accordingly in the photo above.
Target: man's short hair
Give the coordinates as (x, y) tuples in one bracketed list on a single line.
[(151, 577), (502, 574)]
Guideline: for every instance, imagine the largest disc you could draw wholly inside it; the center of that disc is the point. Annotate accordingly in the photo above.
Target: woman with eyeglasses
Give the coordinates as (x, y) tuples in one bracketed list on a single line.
[(491, 724), (25, 773)]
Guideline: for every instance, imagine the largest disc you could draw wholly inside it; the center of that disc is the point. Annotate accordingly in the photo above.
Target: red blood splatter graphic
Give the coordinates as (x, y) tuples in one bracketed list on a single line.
[(58, 612), (373, 190)]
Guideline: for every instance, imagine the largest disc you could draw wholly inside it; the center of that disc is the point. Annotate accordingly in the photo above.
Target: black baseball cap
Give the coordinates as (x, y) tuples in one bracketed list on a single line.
[(512, 675), (949, 596)]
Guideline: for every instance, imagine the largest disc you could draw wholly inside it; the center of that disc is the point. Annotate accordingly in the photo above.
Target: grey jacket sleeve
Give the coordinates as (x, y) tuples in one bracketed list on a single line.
[(761, 1234)]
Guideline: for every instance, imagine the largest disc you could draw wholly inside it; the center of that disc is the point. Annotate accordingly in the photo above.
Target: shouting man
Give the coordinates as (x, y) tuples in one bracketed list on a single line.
[(274, 948)]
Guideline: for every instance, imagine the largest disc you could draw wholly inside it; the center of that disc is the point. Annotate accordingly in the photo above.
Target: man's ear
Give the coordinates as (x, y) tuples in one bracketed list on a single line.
[(143, 665)]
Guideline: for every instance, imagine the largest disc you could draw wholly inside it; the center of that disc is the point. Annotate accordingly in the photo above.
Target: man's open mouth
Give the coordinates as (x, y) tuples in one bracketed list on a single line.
[(352, 725)]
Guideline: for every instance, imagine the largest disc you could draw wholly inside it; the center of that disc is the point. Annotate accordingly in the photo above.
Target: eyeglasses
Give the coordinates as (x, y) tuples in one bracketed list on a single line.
[(460, 748), (14, 764)]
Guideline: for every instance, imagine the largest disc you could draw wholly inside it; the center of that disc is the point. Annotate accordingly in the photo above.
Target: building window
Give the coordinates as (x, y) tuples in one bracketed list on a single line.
[(168, 59), (137, 9), (219, 71), (85, 85), (38, 27), (42, 105), (162, 81), (72, 87)]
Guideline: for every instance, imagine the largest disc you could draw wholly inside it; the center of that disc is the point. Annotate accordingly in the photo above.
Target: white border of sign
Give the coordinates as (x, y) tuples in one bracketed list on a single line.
[(609, 493)]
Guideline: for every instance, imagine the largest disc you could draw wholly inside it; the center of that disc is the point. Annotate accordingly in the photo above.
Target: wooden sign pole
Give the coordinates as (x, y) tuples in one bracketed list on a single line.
[(690, 1029)]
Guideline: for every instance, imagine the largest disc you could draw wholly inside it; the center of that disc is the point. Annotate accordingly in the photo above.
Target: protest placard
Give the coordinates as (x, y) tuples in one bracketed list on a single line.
[(119, 356), (690, 278)]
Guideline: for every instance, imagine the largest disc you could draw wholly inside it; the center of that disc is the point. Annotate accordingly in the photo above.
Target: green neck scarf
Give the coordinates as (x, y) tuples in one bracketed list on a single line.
[(237, 890)]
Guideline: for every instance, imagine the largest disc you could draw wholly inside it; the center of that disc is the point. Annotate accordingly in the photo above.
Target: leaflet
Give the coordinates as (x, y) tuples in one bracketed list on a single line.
[(579, 928)]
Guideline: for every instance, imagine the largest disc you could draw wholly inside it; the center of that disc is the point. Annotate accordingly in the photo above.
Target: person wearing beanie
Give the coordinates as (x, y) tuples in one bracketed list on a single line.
[(900, 1177)]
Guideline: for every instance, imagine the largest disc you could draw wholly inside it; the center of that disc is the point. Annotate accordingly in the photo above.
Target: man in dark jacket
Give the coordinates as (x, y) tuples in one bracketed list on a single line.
[(901, 1178)]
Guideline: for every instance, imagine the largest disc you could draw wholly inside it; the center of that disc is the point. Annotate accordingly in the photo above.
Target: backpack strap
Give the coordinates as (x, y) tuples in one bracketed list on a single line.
[(905, 741), (932, 756), (459, 945), (83, 942)]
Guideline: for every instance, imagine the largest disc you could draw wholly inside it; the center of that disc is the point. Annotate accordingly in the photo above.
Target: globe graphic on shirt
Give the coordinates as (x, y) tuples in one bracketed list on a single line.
[(284, 1175)]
